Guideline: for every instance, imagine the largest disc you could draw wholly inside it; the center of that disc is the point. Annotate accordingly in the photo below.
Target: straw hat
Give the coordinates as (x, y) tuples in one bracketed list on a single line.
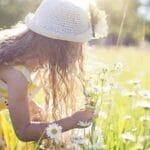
[(61, 19)]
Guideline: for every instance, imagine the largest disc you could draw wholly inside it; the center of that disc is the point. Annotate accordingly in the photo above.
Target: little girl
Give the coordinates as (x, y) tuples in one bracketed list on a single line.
[(52, 41)]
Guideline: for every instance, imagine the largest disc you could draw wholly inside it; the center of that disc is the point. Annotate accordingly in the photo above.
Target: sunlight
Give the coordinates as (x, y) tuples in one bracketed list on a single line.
[(83, 3)]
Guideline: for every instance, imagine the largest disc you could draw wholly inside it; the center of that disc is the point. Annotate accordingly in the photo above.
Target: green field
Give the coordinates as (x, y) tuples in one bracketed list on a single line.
[(120, 83)]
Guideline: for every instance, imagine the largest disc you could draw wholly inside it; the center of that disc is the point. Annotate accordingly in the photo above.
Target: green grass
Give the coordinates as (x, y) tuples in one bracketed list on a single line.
[(136, 66)]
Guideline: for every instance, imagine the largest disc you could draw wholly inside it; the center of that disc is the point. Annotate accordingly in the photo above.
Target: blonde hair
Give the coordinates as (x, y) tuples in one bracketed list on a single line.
[(61, 60)]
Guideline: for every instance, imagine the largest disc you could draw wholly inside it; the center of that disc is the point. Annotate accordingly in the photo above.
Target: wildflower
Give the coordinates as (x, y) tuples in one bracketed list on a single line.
[(128, 93), (98, 135), (140, 146), (134, 129), (97, 145), (145, 94), (105, 68), (113, 85), (84, 123), (54, 131), (106, 89), (79, 140), (111, 127), (42, 147), (142, 104), (88, 91), (144, 138), (145, 118), (118, 66), (96, 89), (102, 78), (127, 117), (102, 115), (90, 104), (128, 137), (134, 82), (72, 146)]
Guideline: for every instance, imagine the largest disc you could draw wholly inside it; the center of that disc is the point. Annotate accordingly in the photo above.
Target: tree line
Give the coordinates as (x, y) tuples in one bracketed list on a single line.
[(125, 25)]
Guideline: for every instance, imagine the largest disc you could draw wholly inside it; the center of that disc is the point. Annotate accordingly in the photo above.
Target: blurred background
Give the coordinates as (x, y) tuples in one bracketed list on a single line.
[(120, 62), (129, 20)]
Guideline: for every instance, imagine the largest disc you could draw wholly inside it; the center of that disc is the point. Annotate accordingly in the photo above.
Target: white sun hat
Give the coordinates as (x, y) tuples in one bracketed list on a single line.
[(61, 19)]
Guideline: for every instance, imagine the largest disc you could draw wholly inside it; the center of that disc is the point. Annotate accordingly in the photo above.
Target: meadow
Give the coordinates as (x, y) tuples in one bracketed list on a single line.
[(118, 86)]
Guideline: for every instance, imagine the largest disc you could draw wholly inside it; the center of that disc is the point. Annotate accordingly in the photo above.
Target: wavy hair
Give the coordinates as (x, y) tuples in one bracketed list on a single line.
[(60, 66)]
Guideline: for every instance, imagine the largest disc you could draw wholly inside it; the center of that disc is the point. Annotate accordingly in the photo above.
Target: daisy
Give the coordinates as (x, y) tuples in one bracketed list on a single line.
[(97, 145), (102, 115), (145, 94), (128, 137), (145, 118), (127, 117), (142, 104), (128, 93), (134, 82), (105, 68), (54, 131), (79, 140), (144, 138), (118, 66)]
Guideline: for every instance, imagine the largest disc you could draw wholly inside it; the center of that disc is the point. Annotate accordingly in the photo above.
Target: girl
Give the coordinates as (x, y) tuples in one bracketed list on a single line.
[(51, 43)]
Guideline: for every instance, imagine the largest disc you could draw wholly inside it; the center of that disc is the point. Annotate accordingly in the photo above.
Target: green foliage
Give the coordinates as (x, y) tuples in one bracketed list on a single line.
[(123, 126), (124, 12), (12, 11)]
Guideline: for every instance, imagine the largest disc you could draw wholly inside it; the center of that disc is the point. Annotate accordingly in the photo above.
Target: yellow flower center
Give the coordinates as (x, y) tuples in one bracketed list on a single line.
[(54, 131)]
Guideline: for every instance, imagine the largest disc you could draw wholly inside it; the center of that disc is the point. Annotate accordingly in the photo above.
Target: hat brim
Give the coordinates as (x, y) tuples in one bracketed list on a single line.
[(81, 38)]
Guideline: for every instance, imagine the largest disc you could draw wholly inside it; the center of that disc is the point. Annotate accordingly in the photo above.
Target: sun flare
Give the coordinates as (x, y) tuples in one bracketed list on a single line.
[(83, 3)]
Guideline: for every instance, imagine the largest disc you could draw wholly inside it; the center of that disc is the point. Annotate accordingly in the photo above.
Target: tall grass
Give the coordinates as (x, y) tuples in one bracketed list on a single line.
[(123, 124)]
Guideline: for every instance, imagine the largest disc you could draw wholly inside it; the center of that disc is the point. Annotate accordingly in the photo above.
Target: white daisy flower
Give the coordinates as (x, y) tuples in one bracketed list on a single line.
[(54, 131), (142, 104), (145, 118), (72, 146), (84, 123), (145, 94), (106, 89), (97, 145), (140, 146), (113, 85), (118, 66), (134, 82), (128, 137), (96, 89), (102, 115), (134, 129), (128, 93), (127, 117), (105, 68), (79, 140), (143, 138)]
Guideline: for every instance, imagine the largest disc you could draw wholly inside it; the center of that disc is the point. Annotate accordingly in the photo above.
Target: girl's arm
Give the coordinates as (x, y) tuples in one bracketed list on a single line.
[(19, 111)]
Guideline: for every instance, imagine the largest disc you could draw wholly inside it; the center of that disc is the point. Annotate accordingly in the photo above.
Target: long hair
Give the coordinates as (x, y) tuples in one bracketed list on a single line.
[(61, 64)]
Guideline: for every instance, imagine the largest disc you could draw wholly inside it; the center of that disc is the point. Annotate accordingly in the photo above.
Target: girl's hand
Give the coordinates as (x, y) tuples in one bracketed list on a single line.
[(82, 115), (36, 111)]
